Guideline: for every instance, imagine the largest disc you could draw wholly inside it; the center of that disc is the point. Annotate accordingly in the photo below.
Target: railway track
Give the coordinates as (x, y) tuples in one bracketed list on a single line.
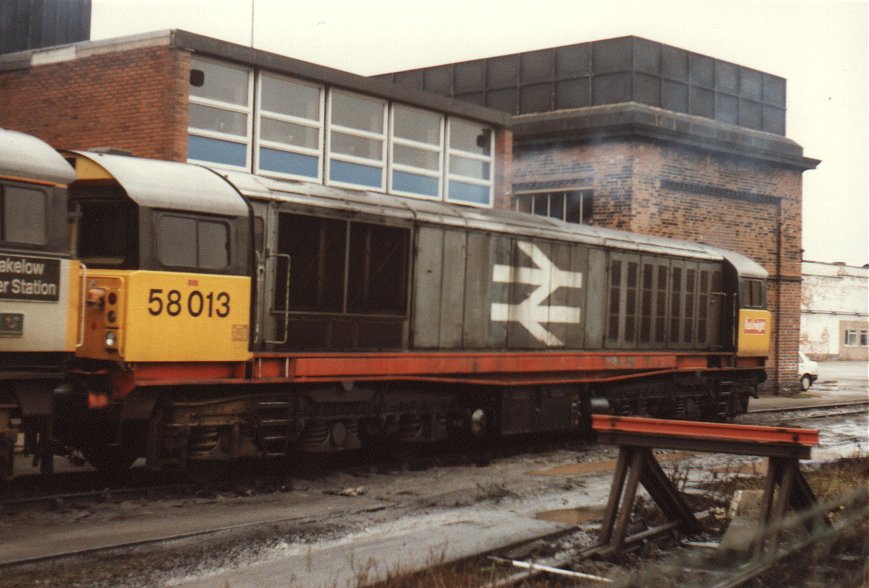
[(213, 533), (90, 487), (845, 406), (696, 564), (118, 547)]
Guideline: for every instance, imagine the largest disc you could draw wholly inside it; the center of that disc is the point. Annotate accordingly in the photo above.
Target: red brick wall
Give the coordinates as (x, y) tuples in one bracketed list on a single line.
[(134, 100), (742, 204)]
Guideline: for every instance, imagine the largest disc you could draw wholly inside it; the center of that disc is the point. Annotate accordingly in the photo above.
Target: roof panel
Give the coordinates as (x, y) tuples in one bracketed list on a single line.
[(171, 185), (24, 156), (493, 220)]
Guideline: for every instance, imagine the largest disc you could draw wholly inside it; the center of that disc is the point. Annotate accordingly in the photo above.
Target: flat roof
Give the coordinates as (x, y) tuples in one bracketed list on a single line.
[(257, 58)]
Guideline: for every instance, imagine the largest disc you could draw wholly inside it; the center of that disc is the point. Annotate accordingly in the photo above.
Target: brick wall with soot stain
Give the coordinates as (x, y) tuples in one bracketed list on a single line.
[(740, 203)]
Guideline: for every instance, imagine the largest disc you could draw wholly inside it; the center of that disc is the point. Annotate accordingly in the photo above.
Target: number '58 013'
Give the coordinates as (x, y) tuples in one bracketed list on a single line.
[(196, 303)]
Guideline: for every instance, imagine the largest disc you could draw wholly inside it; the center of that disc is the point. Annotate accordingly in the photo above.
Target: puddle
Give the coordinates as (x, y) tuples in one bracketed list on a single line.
[(571, 516)]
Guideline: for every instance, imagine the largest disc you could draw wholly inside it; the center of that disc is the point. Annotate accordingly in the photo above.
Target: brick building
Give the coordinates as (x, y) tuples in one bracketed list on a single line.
[(185, 97), (636, 135)]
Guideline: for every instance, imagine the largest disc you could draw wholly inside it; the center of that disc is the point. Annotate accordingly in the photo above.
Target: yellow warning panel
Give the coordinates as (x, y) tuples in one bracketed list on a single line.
[(754, 332)]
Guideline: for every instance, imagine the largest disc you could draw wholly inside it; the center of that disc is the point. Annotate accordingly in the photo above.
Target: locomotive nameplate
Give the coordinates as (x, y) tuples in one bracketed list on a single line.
[(29, 278)]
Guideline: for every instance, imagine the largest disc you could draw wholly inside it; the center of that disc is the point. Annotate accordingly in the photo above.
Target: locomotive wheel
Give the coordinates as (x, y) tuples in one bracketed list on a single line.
[(109, 459)]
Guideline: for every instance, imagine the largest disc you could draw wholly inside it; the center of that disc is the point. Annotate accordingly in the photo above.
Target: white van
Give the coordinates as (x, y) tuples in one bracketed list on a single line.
[(808, 371)]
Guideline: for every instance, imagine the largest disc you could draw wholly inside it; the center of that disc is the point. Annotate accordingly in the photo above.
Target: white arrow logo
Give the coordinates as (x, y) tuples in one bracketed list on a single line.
[(531, 313)]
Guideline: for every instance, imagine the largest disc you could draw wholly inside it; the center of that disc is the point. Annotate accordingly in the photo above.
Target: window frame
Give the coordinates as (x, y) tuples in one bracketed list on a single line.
[(46, 204), (856, 337), (383, 137), (248, 111), (197, 219), (224, 148), (586, 196), (449, 176), (394, 140), (319, 153)]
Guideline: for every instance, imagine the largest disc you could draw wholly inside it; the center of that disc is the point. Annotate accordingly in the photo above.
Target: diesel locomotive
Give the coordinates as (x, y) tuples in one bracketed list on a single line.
[(209, 315), (229, 315), (40, 293)]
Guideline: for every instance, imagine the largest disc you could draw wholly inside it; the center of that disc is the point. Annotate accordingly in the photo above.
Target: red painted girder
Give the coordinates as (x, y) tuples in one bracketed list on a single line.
[(703, 431), (472, 368), (356, 366)]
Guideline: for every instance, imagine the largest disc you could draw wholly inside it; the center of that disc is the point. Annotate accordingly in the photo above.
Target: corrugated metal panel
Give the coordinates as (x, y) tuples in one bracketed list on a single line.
[(452, 299), (427, 283), (479, 330), (594, 317), (613, 71), (31, 24)]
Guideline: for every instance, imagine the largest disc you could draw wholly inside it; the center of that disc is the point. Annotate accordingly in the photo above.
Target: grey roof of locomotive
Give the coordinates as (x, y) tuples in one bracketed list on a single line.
[(26, 157), (354, 202), (171, 185)]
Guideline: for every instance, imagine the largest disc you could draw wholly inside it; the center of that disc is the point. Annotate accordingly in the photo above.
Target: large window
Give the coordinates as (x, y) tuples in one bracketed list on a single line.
[(220, 111), (469, 163), (290, 128), (417, 151), (279, 126), (357, 140), (573, 206), (342, 267), (22, 215)]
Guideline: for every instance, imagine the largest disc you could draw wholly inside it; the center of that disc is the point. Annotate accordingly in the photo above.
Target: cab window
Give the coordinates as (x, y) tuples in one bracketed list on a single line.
[(192, 242), (23, 213), (107, 233), (753, 294)]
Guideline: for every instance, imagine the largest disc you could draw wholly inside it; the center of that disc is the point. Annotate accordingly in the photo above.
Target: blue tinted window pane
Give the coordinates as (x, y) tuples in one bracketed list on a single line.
[(353, 173), (469, 192), (226, 152), (288, 163), (405, 182)]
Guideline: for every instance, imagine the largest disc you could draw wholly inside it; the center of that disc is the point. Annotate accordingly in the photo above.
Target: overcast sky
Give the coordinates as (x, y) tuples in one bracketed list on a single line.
[(819, 46)]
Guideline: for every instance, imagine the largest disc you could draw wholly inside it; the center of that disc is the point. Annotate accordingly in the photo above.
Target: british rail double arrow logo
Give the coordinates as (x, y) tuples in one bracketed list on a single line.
[(532, 313)]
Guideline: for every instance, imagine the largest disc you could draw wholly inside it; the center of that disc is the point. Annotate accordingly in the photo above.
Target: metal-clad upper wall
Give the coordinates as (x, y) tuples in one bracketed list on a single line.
[(31, 24), (626, 69)]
